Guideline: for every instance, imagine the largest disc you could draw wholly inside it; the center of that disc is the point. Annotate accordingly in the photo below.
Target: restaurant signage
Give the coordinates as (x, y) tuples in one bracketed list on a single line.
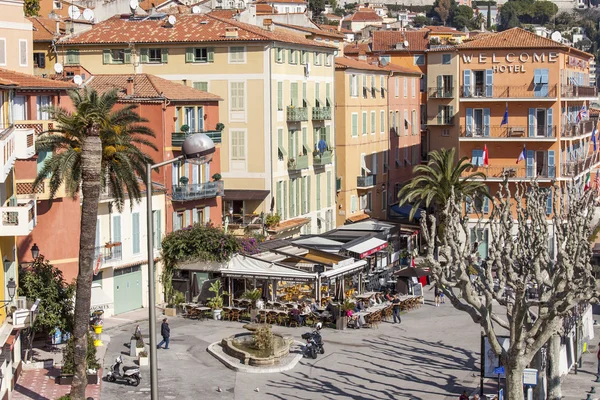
[(576, 62), (511, 62), (373, 250)]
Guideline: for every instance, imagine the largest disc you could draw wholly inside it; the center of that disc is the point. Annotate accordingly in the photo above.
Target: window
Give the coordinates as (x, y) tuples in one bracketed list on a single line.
[(280, 96), (385, 161), (43, 102), (293, 56), (135, 233), (444, 86), (237, 54), (237, 96), (23, 56), (445, 132), (397, 87), (413, 122), (2, 51), (413, 86), (365, 88), (479, 241), (157, 229), (328, 60), (328, 185), (354, 124), (19, 109), (279, 55), (382, 121), (117, 56), (364, 123), (446, 58), (397, 157), (445, 115), (354, 85), (384, 200), (200, 86), (419, 59), (39, 60), (406, 123), (199, 55), (238, 145), (382, 86), (72, 57), (353, 204), (423, 84), (373, 122), (57, 4), (374, 164), (155, 56), (405, 87), (304, 57), (373, 86), (177, 220)]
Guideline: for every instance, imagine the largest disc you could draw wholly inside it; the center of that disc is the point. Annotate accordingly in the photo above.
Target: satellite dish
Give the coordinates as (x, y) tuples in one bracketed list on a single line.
[(556, 36), (74, 12), (172, 19), (133, 4), (88, 14), (406, 43), (77, 79), (196, 10), (58, 68)]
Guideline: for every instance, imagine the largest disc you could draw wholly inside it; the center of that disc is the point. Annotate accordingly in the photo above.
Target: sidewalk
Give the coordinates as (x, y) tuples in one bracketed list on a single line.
[(577, 386), (130, 317)]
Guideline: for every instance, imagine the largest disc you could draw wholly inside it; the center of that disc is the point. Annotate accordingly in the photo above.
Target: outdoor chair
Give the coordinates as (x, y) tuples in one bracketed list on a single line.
[(387, 313), (234, 315), (226, 315), (272, 317), (262, 317), (376, 319), (311, 319)]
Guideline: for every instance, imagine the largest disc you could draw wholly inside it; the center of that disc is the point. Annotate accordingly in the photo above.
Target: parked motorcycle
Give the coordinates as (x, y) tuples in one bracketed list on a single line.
[(314, 342), (131, 375)]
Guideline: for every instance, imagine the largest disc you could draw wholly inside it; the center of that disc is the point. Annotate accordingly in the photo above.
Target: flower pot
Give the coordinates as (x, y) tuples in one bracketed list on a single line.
[(64, 379), (217, 314), (97, 343), (92, 379), (170, 312), (143, 361), (138, 350), (98, 329)]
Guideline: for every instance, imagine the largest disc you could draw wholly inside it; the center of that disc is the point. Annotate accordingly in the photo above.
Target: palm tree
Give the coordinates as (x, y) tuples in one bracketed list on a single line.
[(434, 183), (93, 147)]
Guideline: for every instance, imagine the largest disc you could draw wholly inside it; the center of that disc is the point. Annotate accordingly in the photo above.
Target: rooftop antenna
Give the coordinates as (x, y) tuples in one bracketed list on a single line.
[(74, 12), (133, 5)]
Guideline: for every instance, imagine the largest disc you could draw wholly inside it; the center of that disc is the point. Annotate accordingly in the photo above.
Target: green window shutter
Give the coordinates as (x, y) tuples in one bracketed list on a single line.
[(302, 194), (75, 56), (210, 54), (290, 57), (328, 135), (144, 56), (364, 123), (200, 86), (280, 95), (318, 176), (278, 199), (373, 123), (328, 177), (285, 213), (308, 182), (317, 100), (354, 125), (315, 58), (439, 115), (316, 138), (116, 229), (135, 230), (164, 56), (327, 92), (280, 138), (292, 198), (304, 138), (189, 55), (291, 144), (127, 56), (294, 93), (106, 59), (304, 99), (282, 55)]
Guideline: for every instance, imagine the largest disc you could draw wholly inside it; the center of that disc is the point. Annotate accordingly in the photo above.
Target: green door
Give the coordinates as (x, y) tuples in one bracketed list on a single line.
[(128, 289)]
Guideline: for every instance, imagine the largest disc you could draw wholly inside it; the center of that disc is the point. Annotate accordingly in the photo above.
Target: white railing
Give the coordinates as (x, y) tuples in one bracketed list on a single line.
[(18, 220)]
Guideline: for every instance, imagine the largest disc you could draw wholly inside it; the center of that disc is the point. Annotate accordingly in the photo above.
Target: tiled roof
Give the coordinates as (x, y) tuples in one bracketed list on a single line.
[(332, 17), (516, 38), (148, 86), (356, 48), (358, 217), (263, 8), (331, 28), (288, 225), (190, 28), (322, 32), (387, 40), (364, 16), (225, 14), (25, 81), (286, 1), (348, 62), (443, 29), (440, 48), (44, 28)]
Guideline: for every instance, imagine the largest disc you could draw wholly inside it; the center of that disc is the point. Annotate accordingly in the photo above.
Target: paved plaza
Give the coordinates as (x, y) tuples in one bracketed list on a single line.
[(433, 354)]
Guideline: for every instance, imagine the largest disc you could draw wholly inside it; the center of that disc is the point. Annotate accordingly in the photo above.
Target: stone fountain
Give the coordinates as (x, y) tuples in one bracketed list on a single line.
[(243, 346)]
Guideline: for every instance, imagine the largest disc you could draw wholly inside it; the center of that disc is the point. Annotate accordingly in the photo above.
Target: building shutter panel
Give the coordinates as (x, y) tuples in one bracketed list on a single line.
[(135, 227), (467, 83), (210, 54), (290, 56), (486, 122), (127, 56), (189, 55), (328, 135), (328, 185), (284, 216), (294, 93), (468, 205), (351, 85), (440, 117), (469, 122), (308, 194), (164, 56), (318, 178), (489, 82), (188, 218), (174, 173), (280, 95), (531, 130), (549, 202), (544, 78), (440, 84), (551, 164), (105, 57), (549, 123), (144, 56), (176, 226), (116, 222), (278, 199), (530, 167)]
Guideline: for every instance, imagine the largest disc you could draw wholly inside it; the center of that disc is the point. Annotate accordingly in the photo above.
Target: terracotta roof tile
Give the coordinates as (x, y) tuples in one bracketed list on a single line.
[(332, 28), (25, 81), (387, 40), (332, 17), (285, 1), (322, 32), (356, 48), (190, 28), (364, 16), (262, 8), (358, 217), (443, 29), (225, 14), (348, 62), (44, 29), (148, 86), (289, 225), (516, 38)]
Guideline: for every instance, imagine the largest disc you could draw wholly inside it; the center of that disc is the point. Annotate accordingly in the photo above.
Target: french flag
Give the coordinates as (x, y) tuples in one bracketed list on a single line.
[(522, 155), (486, 159)]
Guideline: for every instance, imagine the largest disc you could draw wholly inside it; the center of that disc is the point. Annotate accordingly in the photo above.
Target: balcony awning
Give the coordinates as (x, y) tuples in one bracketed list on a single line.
[(241, 194), (246, 267), (368, 247), (363, 163), (100, 300), (345, 270)]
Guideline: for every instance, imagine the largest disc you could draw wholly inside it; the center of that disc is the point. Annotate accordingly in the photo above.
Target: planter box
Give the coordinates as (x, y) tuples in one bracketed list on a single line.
[(138, 350), (132, 351), (20, 318), (143, 361), (92, 379), (170, 312)]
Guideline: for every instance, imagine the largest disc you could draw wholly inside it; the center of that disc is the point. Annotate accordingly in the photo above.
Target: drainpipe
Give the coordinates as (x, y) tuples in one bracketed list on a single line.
[(270, 126), (387, 115)]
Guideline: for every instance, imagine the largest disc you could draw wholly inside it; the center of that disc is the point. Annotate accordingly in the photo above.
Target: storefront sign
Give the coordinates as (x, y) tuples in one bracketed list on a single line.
[(373, 250), (511, 62), (576, 62)]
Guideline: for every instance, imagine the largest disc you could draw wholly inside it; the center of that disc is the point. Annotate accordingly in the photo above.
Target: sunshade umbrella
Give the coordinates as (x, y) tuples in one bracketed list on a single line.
[(410, 272)]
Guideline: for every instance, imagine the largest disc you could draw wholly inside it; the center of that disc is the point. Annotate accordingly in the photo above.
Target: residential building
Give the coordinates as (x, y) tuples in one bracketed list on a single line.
[(361, 19), (377, 107), (316, 33), (513, 92), (16, 41), (278, 93), (288, 6), (46, 31)]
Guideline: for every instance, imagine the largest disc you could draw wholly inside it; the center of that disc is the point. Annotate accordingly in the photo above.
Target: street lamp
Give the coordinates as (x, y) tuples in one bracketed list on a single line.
[(197, 149), (35, 251)]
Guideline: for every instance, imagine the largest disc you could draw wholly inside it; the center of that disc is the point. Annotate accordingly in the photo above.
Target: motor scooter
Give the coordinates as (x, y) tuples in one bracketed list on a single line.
[(131, 375), (314, 342)]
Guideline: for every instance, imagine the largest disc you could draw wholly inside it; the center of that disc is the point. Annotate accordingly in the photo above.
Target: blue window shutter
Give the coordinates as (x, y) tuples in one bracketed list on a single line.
[(530, 168), (537, 76), (469, 122), (486, 205), (551, 164), (174, 174), (531, 122), (176, 226), (116, 228), (486, 122), (135, 236), (489, 82), (549, 203), (467, 83), (549, 123), (544, 78), (476, 157)]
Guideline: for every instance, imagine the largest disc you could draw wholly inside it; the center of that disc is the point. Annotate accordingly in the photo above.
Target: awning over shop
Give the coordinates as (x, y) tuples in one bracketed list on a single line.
[(201, 266), (404, 211), (241, 194), (368, 247), (345, 270), (100, 300), (246, 267)]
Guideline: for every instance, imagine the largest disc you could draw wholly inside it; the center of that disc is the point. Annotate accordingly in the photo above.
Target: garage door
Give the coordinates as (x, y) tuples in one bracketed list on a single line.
[(128, 289)]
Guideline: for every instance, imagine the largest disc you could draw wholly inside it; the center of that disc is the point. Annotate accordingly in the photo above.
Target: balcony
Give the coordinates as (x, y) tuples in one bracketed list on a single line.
[(320, 113), (198, 191), (18, 220), (577, 129), (297, 114), (573, 168), (366, 182), (177, 138), (244, 221), (15, 143), (298, 163), (441, 93), (507, 132), (25, 190), (495, 92), (514, 172), (574, 92), (110, 252), (323, 158), (443, 121)]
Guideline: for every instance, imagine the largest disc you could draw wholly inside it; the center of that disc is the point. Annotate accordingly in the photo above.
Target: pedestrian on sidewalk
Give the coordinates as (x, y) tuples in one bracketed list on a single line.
[(396, 309), (165, 332), (464, 396), (436, 294)]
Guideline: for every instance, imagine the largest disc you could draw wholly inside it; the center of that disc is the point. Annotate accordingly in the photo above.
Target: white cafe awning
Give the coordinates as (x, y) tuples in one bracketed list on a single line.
[(100, 300), (368, 247), (245, 267), (345, 270)]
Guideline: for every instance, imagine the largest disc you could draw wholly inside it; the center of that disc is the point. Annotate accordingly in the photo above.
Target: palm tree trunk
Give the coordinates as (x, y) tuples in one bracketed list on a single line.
[(91, 158)]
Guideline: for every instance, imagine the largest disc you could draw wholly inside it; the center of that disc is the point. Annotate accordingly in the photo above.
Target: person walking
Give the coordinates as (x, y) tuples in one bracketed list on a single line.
[(396, 309), (436, 293), (464, 396), (165, 332)]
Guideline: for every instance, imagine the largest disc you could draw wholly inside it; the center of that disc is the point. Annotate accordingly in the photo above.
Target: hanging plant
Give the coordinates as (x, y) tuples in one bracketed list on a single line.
[(216, 177), (185, 128), (220, 126)]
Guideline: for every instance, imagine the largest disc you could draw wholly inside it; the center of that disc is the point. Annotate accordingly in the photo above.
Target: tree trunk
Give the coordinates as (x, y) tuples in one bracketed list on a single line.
[(539, 362), (514, 381), (91, 158), (553, 369)]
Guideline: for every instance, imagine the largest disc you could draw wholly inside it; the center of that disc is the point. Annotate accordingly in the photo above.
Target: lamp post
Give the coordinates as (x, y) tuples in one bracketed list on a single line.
[(197, 149), (35, 251)]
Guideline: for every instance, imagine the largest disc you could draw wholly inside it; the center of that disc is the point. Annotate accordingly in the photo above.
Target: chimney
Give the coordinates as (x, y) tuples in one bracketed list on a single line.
[(129, 88), (231, 32), (268, 24), (58, 27)]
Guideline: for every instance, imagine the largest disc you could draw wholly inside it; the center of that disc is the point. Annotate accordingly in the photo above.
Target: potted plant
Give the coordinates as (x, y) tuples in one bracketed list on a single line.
[(185, 128), (139, 344), (143, 358), (216, 302), (177, 298), (98, 326), (291, 163), (216, 177), (272, 220), (68, 363), (348, 305), (184, 180), (220, 126), (253, 295)]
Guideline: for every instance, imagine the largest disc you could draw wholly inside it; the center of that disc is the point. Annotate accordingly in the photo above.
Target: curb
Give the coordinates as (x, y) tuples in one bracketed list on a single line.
[(252, 370)]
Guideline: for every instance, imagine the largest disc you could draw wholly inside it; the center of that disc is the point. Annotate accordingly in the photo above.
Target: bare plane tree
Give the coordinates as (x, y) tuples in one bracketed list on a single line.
[(520, 287)]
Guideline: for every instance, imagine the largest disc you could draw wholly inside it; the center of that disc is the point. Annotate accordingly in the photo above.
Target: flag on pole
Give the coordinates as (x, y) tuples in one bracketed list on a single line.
[(522, 155), (597, 180), (505, 118), (594, 137), (582, 114), (485, 156), (587, 181)]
